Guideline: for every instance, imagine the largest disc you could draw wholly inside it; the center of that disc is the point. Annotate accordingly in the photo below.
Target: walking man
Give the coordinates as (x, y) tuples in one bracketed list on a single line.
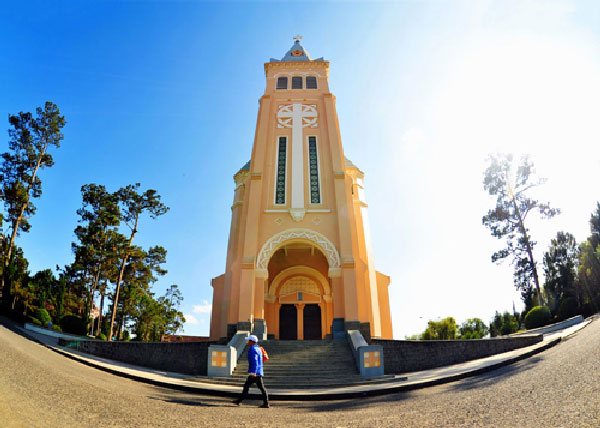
[(255, 372)]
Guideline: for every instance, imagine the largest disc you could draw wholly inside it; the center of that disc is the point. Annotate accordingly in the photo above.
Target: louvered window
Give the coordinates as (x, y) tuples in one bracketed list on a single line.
[(280, 177), (311, 82), (296, 82), (282, 82), (313, 165)]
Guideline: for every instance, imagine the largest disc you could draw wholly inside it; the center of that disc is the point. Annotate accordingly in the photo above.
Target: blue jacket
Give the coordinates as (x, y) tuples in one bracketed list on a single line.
[(255, 360)]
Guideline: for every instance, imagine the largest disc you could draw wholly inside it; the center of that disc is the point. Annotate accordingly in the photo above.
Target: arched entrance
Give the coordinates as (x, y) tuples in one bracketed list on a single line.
[(288, 322), (299, 267), (301, 292)]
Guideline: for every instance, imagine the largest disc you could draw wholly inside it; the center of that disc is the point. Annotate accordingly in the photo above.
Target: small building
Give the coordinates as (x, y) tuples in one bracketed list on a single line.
[(299, 259)]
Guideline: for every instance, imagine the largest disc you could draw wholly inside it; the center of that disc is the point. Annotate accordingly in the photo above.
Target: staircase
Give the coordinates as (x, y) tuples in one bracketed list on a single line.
[(302, 364)]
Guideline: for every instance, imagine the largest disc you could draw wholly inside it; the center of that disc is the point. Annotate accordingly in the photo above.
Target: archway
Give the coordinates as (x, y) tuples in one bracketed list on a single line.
[(298, 235)]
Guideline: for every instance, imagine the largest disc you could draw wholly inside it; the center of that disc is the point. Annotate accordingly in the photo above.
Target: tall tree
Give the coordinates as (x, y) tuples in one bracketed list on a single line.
[(510, 184), (133, 204), (97, 235), (560, 268), (30, 139), (588, 284)]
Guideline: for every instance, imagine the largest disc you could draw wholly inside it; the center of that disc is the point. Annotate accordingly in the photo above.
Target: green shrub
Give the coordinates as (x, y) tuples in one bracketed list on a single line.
[(74, 325), (567, 308), (57, 328), (35, 321), (510, 324), (101, 336), (43, 316), (538, 316), (126, 336)]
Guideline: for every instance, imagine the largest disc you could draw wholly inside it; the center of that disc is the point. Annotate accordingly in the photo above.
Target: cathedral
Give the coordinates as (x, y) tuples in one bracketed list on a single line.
[(299, 259)]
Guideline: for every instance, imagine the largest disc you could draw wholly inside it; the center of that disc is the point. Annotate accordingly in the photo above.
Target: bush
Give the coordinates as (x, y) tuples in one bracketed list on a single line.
[(567, 308), (510, 324), (57, 328), (74, 325), (102, 336), (35, 321), (42, 315), (538, 316)]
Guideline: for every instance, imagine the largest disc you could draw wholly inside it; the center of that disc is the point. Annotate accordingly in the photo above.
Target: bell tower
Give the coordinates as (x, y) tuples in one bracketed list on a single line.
[(299, 259)]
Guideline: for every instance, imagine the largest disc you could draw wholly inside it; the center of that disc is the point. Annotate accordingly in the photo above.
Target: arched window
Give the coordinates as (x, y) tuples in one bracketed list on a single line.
[(313, 166), (280, 172), (282, 83), (311, 82), (297, 82)]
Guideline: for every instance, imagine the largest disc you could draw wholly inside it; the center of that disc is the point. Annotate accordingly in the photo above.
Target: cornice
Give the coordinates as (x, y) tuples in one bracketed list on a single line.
[(297, 64)]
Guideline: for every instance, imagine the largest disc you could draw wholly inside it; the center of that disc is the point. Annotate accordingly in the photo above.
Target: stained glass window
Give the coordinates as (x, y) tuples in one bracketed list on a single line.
[(280, 178), (313, 165)]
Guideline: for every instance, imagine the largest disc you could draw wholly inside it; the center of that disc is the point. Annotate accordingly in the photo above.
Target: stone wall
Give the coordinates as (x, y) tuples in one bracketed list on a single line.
[(181, 357), (402, 356)]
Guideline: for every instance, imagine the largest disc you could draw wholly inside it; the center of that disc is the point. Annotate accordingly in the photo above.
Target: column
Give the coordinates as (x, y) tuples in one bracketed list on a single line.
[(300, 312), (323, 307), (275, 327), (259, 298)]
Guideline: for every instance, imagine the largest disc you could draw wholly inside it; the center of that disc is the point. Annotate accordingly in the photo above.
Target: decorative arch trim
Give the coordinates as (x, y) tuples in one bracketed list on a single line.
[(299, 271), (298, 234)]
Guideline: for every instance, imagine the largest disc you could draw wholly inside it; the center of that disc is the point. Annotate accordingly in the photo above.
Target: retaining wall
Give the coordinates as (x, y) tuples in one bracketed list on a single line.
[(182, 357), (402, 356)]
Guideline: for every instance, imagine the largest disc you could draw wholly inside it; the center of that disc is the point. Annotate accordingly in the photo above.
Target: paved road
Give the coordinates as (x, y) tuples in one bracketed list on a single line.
[(557, 388)]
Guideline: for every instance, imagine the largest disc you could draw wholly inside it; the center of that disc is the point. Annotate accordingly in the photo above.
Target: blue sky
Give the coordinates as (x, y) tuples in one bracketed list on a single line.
[(166, 94)]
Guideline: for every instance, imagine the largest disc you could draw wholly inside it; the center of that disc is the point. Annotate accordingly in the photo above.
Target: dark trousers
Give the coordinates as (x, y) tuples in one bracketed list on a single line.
[(259, 384)]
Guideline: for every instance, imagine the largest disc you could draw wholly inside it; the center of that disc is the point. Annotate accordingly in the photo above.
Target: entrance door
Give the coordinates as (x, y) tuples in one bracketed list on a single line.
[(312, 322), (288, 322)]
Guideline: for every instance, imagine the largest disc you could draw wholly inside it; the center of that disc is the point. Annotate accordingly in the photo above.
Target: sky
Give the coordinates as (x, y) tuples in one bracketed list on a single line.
[(165, 93)]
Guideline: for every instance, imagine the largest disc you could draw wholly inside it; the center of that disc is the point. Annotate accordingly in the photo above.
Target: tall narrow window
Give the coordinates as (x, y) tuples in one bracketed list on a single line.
[(282, 83), (311, 82), (297, 82), (313, 164), (280, 179)]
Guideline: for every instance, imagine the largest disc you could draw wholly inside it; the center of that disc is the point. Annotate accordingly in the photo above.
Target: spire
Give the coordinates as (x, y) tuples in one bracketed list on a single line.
[(296, 53)]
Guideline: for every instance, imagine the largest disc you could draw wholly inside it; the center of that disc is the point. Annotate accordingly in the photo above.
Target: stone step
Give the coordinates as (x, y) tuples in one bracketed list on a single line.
[(308, 362), (304, 364), (304, 371), (287, 383), (294, 365)]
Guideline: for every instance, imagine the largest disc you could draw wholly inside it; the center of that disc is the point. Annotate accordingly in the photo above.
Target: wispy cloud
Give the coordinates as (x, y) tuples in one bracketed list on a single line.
[(203, 308), (190, 319)]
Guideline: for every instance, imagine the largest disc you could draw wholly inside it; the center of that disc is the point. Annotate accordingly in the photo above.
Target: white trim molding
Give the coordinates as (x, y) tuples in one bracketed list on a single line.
[(299, 234)]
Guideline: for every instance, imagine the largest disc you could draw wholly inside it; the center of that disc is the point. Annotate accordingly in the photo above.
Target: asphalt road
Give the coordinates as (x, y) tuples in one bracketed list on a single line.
[(557, 388)]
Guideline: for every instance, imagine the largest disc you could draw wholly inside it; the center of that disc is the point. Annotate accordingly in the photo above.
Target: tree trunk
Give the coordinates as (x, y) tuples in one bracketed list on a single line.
[(16, 223), (100, 316), (529, 250), (121, 272)]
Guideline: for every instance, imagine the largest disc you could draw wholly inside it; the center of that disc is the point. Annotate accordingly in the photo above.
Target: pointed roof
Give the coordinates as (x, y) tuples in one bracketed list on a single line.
[(296, 53)]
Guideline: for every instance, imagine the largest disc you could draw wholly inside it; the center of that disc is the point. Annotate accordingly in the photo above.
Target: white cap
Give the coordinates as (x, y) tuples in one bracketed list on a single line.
[(252, 338)]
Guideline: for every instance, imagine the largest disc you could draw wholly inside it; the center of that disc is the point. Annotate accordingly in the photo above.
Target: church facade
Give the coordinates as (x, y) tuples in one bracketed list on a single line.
[(299, 258)]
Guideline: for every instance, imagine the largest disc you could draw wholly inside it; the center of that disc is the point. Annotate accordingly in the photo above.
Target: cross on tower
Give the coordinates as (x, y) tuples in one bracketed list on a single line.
[(297, 38), (297, 116)]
